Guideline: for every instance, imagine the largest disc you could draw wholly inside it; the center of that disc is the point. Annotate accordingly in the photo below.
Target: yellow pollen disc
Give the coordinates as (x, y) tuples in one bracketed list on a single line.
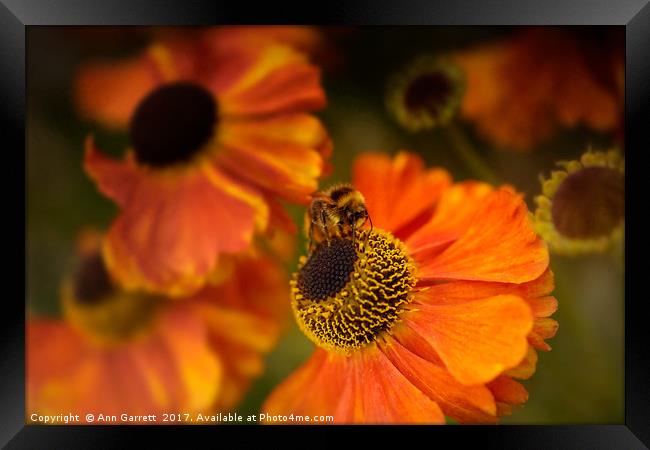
[(346, 294)]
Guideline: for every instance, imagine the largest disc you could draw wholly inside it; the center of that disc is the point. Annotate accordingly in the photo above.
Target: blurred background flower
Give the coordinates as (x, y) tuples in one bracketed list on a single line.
[(117, 351), (219, 132), (426, 94), (580, 381), (521, 89), (582, 208)]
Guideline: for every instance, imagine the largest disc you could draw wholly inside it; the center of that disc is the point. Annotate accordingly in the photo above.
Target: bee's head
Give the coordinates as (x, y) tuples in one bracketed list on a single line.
[(356, 214)]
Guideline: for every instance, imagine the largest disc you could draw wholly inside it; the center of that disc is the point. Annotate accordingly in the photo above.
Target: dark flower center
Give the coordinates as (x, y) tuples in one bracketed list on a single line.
[(328, 269), (429, 92), (589, 203), (172, 123), (346, 294), (91, 282)]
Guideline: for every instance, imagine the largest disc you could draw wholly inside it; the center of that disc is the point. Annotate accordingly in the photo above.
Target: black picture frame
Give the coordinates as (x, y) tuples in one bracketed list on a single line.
[(634, 15)]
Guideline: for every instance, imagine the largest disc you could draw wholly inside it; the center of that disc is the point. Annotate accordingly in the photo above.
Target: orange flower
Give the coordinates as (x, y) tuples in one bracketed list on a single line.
[(220, 133), (433, 313), (520, 90), (119, 352)]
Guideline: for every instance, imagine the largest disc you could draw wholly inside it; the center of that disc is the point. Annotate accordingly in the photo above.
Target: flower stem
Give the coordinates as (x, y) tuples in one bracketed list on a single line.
[(470, 155)]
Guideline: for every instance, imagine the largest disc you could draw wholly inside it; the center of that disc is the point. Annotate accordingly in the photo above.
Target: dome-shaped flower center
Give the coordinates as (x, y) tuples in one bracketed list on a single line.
[(589, 203), (103, 312), (429, 92), (92, 283), (426, 94), (345, 294), (172, 123)]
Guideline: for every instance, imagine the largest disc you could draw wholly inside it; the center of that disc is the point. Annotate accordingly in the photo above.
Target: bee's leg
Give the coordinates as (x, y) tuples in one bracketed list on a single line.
[(311, 237), (353, 235), (368, 234), (324, 226)]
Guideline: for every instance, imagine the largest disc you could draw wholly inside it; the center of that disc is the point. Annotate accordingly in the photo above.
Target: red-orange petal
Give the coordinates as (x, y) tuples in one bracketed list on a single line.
[(174, 226), (384, 395), (362, 388), (241, 339), (543, 328), (280, 154), (534, 292), (507, 390), (244, 316), (171, 368), (115, 179), (277, 79), (415, 343), (500, 245), (476, 340), (452, 217), (313, 389), (466, 404), (526, 368), (185, 335), (281, 225), (543, 306), (109, 92), (569, 90), (51, 348), (304, 38), (398, 190)]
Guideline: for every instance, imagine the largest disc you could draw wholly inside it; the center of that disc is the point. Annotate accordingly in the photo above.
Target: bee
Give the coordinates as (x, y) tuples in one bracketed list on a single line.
[(335, 213)]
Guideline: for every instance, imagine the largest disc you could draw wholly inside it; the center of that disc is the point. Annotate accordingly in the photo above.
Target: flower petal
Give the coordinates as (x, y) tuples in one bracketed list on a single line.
[(115, 179), (313, 389), (58, 373), (169, 235), (305, 38), (467, 404), (362, 388), (526, 368), (533, 292), (171, 368), (244, 316), (398, 190), (186, 337), (384, 395), (569, 88), (500, 245), (242, 292), (280, 154), (452, 217), (543, 328), (64, 373), (277, 79), (109, 92), (543, 306), (476, 340), (154, 373), (43, 333), (241, 340), (506, 390)]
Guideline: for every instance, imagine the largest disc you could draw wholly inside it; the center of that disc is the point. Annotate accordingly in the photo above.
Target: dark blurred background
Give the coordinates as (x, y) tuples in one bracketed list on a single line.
[(579, 381)]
